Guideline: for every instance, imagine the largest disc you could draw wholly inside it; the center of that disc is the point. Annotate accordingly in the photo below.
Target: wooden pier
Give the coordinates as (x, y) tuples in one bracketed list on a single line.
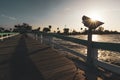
[(22, 58), (34, 57)]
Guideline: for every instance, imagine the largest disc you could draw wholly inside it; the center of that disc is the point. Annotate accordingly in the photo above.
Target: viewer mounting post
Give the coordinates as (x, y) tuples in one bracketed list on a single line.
[(91, 24)]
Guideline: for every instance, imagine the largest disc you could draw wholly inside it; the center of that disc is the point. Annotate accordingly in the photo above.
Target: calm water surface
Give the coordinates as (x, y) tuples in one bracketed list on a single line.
[(112, 38)]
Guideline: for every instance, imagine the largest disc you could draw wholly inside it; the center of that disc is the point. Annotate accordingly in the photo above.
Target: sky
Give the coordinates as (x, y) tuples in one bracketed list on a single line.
[(59, 13)]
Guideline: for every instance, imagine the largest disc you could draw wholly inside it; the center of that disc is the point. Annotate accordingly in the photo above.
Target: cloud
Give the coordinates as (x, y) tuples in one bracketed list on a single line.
[(9, 17)]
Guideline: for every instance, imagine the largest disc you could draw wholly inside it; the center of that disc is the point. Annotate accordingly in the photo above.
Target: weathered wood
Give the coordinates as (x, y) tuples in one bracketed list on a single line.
[(51, 63), (7, 48)]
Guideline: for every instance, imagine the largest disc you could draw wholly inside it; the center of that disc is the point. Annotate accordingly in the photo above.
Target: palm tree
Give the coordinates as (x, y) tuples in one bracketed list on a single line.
[(50, 26), (10, 29), (45, 29), (2, 29), (81, 28), (58, 31), (58, 28)]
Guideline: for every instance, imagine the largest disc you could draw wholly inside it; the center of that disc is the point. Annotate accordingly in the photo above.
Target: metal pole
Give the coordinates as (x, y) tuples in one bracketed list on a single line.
[(89, 48), (91, 52)]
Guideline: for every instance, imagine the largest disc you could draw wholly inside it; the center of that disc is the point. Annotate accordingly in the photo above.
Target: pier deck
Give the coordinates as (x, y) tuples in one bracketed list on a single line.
[(22, 58)]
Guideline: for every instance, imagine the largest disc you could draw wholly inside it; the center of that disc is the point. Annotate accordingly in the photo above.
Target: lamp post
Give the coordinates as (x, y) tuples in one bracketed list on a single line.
[(91, 24)]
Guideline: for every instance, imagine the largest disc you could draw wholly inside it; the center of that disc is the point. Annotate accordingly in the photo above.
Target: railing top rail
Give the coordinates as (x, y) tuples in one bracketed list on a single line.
[(7, 33), (75, 40)]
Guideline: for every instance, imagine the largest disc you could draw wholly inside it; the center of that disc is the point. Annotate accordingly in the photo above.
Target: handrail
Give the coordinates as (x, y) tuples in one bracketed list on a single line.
[(110, 67), (75, 40), (95, 45), (6, 35)]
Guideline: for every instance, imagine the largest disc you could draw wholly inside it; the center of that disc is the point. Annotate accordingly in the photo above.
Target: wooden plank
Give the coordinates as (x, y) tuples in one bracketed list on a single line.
[(51, 63)]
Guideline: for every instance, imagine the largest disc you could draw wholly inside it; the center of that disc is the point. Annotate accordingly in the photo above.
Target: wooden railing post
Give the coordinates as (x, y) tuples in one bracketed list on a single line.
[(2, 37), (7, 35), (41, 38), (36, 36), (51, 41)]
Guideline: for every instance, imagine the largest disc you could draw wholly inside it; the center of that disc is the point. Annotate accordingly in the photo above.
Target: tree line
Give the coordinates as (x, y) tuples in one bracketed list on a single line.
[(25, 27)]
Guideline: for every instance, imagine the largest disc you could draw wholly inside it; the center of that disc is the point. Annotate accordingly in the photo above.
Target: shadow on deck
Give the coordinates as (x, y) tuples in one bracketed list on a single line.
[(22, 67)]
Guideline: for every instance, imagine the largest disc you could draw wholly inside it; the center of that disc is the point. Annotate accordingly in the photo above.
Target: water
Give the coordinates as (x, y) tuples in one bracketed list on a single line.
[(112, 38), (104, 55)]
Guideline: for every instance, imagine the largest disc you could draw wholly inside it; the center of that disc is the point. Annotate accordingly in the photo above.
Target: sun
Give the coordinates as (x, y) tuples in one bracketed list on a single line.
[(95, 16)]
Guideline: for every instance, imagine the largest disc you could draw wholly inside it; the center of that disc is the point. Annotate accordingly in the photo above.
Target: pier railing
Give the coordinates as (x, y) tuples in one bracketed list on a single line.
[(7, 35), (95, 46)]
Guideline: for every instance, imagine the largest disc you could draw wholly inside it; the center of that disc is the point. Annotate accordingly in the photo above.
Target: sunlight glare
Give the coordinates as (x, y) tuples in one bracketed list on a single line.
[(95, 38), (95, 16)]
